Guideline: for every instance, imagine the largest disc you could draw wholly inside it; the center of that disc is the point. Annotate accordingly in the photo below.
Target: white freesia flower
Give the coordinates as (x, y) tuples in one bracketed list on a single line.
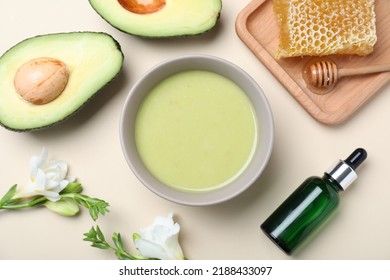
[(47, 178), (160, 240)]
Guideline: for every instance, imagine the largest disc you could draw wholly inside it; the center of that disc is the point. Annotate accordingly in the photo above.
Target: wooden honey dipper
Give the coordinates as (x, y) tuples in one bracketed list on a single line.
[(325, 73)]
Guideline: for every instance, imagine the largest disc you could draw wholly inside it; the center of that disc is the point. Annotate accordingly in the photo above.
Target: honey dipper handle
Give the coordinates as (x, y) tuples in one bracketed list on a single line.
[(364, 70)]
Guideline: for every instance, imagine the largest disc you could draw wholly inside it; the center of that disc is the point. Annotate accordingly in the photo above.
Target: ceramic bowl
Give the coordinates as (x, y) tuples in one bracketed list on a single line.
[(220, 66)]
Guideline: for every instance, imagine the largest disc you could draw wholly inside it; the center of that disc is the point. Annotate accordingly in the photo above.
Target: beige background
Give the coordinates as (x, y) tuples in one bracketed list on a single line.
[(89, 142)]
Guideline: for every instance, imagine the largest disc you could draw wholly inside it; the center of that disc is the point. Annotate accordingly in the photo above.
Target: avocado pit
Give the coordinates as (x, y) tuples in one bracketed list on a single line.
[(142, 6), (41, 80)]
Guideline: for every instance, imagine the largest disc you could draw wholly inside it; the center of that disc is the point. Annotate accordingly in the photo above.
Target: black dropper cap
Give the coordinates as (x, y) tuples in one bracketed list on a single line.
[(344, 170), (356, 158)]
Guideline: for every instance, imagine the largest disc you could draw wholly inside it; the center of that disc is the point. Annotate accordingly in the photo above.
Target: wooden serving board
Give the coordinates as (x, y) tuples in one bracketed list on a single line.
[(257, 28)]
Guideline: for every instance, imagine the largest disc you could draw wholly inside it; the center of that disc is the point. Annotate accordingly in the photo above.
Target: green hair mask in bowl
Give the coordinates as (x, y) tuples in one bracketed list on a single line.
[(197, 130)]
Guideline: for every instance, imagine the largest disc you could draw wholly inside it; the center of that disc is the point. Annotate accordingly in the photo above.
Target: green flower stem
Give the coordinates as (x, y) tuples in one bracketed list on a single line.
[(94, 205), (67, 205), (70, 195), (98, 240), (11, 205)]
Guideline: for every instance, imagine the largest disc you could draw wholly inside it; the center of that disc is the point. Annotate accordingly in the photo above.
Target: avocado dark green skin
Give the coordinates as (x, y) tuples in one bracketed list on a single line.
[(118, 46), (156, 37)]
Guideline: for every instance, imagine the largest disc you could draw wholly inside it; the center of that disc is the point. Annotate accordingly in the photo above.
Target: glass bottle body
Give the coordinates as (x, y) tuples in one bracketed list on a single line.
[(304, 210)]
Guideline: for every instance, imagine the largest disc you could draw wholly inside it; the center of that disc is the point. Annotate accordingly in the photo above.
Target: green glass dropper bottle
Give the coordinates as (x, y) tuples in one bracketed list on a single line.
[(309, 205)]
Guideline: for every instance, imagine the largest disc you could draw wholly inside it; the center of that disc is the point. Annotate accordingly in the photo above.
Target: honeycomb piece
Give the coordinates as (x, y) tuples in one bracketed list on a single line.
[(324, 27)]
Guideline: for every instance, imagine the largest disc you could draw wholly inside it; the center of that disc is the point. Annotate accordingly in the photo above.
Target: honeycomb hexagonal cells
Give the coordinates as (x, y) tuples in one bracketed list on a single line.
[(317, 27)]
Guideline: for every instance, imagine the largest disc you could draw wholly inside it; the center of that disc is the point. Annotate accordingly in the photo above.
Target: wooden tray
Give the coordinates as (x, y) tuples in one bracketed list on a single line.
[(257, 28)]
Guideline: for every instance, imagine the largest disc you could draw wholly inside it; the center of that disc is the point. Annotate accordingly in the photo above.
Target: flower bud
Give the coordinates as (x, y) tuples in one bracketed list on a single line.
[(65, 206)]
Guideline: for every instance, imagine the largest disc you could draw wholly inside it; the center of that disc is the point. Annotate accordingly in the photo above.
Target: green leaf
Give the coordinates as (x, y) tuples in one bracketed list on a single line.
[(65, 206), (101, 245), (8, 196), (37, 201), (94, 205), (120, 251), (100, 234), (90, 235), (96, 237), (117, 239)]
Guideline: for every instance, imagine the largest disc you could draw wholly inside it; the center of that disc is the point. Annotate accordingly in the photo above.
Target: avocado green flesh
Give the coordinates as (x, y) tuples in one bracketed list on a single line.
[(176, 18), (93, 59)]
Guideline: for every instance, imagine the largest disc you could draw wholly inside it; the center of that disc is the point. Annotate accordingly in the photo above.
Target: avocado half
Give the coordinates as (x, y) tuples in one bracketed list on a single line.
[(93, 59), (172, 18)]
